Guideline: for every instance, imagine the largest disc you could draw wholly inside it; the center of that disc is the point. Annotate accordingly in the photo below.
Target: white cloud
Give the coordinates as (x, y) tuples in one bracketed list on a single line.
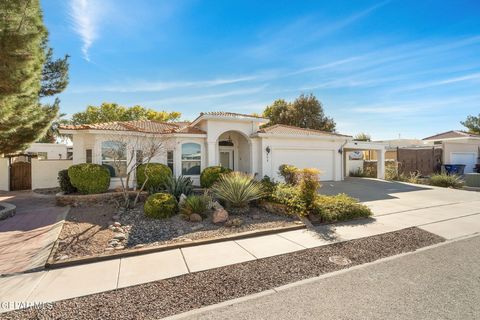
[(85, 15)]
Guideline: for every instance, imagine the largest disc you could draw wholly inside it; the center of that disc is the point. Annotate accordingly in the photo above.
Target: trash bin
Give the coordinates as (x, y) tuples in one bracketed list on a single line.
[(454, 169)]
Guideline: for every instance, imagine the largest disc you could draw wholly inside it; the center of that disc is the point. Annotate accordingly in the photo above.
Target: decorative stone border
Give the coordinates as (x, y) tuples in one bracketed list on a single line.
[(75, 200), (7, 210)]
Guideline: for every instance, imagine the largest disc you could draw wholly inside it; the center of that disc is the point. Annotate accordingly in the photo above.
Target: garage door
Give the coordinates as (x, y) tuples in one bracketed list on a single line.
[(469, 159), (301, 158)]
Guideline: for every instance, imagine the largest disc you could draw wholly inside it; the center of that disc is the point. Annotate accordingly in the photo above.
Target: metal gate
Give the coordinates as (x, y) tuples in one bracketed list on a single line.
[(20, 176)]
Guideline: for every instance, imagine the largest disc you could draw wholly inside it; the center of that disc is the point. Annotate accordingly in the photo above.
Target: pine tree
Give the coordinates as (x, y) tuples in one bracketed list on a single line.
[(27, 73)]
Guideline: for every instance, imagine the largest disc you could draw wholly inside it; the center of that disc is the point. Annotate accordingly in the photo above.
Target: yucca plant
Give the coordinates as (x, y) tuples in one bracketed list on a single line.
[(178, 186), (194, 204), (237, 190)]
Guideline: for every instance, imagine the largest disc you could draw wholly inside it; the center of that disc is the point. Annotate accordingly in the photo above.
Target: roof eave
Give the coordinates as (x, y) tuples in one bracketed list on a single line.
[(309, 136), (237, 118)]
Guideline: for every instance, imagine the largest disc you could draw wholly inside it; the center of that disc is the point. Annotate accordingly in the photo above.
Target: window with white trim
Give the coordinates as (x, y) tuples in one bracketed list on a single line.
[(170, 160), (191, 159), (114, 158)]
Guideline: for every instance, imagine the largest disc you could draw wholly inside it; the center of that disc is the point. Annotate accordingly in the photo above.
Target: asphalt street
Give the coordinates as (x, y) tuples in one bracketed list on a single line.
[(439, 283)]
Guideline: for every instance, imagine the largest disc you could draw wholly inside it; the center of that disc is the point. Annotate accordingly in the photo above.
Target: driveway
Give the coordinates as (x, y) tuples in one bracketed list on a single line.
[(27, 238), (450, 213)]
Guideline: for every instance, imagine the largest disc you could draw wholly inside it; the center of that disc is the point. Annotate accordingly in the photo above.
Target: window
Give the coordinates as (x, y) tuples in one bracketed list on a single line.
[(139, 157), (191, 159), (170, 160), (88, 156), (42, 155), (114, 158)]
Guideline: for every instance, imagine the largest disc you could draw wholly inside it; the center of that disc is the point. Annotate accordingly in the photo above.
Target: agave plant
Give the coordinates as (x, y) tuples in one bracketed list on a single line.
[(237, 189), (194, 204), (178, 186)]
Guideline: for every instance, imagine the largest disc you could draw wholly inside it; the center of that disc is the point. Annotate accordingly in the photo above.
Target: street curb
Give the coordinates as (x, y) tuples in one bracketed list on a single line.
[(311, 280)]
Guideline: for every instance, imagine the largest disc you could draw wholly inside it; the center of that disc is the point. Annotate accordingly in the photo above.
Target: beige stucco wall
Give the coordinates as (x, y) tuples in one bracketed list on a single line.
[(54, 150), (45, 172), (450, 146), (302, 152), (4, 174)]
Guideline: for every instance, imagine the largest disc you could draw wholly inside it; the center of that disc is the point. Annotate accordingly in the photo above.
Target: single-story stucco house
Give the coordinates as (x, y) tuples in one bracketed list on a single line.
[(237, 141), (459, 147)]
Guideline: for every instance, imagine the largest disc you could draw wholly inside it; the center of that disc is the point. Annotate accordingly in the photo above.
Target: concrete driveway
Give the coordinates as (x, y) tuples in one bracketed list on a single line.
[(450, 213)]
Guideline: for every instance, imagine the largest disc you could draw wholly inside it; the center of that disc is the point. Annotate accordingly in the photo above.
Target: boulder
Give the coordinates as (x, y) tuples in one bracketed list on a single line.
[(216, 205), (181, 200), (219, 216), (117, 224), (119, 236), (195, 217)]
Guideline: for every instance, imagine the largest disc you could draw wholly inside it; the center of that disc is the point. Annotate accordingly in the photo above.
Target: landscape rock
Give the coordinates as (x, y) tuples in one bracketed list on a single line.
[(140, 245), (216, 205), (197, 227), (117, 229), (181, 200), (63, 257), (117, 224), (119, 247), (195, 217), (219, 216), (119, 236), (236, 222)]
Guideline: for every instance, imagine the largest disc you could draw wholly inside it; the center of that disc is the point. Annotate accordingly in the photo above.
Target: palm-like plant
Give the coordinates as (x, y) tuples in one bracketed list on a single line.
[(194, 204), (237, 189), (178, 186)]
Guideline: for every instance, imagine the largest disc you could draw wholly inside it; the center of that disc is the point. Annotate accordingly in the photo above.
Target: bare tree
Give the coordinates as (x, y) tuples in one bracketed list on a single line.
[(126, 153)]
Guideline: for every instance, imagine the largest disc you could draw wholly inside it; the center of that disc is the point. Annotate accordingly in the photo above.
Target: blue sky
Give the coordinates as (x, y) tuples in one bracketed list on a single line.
[(386, 68)]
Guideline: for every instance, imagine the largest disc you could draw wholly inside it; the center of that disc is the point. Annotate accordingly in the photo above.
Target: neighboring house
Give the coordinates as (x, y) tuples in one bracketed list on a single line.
[(233, 140), (459, 147), (50, 151)]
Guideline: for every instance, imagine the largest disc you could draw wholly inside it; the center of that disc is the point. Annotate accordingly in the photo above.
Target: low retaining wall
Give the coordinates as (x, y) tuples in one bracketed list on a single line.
[(7, 210), (4, 174), (92, 199)]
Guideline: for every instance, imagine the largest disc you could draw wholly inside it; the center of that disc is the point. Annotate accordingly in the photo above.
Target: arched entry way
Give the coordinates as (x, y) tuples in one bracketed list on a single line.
[(234, 151)]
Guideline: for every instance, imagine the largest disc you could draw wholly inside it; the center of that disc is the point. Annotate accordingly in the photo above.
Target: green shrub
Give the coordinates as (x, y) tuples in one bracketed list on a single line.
[(64, 182), (89, 178), (157, 174), (160, 206), (210, 175), (289, 173), (178, 186), (268, 187), (309, 184), (340, 208), (195, 204), (237, 189), (446, 181), (391, 173), (290, 196)]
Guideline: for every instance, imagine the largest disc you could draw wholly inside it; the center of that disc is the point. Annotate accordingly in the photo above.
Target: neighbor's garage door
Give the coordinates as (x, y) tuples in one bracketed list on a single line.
[(466, 158), (302, 158)]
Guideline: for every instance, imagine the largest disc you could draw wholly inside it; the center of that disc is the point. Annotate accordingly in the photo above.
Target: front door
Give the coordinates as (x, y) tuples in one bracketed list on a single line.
[(226, 159)]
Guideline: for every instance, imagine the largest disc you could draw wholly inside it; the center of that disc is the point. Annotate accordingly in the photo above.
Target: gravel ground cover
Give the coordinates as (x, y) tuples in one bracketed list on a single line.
[(175, 295), (91, 230), (148, 231)]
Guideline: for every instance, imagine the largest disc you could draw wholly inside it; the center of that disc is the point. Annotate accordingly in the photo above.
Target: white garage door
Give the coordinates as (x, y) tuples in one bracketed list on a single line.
[(469, 159), (301, 158)]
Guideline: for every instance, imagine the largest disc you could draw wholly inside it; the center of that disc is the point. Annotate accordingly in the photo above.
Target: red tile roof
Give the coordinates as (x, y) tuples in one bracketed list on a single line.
[(284, 129), (146, 126), (452, 134)]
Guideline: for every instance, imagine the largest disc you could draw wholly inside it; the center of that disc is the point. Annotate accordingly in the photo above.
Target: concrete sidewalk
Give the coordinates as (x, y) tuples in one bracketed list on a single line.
[(449, 221)]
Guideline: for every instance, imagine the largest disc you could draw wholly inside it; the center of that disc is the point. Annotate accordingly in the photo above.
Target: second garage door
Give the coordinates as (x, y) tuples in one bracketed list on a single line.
[(303, 158)]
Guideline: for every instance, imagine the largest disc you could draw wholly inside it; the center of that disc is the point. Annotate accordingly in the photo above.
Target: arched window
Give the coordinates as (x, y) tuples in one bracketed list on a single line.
[(114, 158), (191, 159)]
